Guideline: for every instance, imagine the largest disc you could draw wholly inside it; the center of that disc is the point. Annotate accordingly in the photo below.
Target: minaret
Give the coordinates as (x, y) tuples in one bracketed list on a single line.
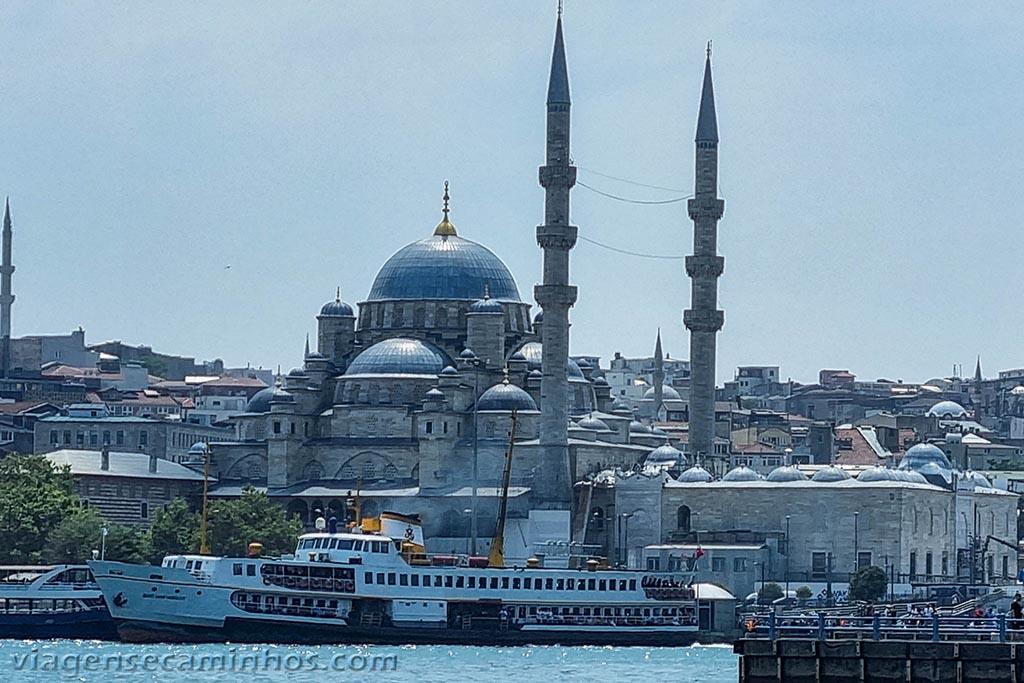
[(705, 266), (659, 378), (6, 297), (556, 296), (977, 371)]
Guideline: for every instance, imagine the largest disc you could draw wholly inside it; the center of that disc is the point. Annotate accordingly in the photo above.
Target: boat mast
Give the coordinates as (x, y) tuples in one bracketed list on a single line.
[(496, 557), (204, 543)]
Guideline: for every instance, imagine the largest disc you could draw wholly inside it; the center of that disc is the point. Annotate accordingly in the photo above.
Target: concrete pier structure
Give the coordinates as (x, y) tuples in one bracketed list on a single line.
[(703, 319), (555, 295)]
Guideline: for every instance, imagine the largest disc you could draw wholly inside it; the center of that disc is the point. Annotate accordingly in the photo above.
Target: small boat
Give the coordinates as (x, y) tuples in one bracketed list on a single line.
[(61, 601)]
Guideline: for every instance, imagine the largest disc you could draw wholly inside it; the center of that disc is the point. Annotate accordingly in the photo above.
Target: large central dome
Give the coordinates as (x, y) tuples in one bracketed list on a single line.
[(444, 267)]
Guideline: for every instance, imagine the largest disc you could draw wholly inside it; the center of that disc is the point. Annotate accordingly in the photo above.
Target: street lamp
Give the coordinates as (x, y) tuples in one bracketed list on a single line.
[(856, 541), (103, 542), (789, 549)]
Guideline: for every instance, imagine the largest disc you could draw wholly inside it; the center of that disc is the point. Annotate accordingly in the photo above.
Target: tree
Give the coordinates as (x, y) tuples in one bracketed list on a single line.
[(804, 593), (34, 498), (769, 593), (175, 530), (253, 518), (74, 539), (868, 584)]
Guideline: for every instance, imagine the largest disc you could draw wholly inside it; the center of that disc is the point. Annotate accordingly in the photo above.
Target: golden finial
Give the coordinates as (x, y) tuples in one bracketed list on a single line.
[(505, 372), (445, 227)]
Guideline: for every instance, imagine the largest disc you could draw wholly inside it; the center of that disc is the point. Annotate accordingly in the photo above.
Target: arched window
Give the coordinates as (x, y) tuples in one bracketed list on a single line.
[(313, 470), (683, 518), (369, 470), (348, 472), (390, 472)]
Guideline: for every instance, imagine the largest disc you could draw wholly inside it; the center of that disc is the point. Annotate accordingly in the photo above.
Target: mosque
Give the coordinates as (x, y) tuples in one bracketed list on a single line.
[(409, 395)]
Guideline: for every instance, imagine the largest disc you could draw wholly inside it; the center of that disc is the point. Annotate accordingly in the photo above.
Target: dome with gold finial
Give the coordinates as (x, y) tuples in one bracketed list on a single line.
[(444, 266)]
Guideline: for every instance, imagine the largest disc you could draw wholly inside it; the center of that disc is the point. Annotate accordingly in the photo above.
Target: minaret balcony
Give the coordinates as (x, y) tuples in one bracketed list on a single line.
[(557, 176), (554, 295), (703, 321), (705, 207), (704, 267), (557, 236)]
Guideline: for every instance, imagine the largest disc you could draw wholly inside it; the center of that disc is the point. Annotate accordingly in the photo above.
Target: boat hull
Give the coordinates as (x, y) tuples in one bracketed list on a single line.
[(87, 626), (242, 630)]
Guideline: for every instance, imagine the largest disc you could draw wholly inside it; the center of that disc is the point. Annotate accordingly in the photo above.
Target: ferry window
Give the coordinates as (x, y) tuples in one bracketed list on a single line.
[(591, 584), (368, 577), (236, 569), (448, 581), (333, 604), (380, 546), (458, 582), (622, 584), (611, 584), (632, 584), (358, 545), (345, 544), (380, 578), (647, 612), (494, 583), (582, 585), (437, 581), (188, 565), (602, 585), (516, 583), (392, 579), (549, 584), (527, 583), (403, 579), (250, 570), (415, 579), (472, 582), (560, 585), (570, 584), (334, 543)]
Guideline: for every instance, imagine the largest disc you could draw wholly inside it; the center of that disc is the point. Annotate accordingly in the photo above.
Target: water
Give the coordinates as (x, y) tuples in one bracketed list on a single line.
[(39, 661)]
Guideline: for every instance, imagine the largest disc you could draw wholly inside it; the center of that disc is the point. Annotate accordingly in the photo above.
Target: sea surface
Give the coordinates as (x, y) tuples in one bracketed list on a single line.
[(68, 660)]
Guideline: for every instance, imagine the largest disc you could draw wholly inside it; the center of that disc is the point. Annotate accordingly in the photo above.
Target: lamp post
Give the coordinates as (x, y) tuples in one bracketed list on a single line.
[(476, 453), (856, 541), (789, 549), (103, 543)]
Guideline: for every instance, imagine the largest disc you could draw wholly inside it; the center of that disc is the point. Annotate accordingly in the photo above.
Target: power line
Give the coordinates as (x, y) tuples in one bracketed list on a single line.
[(633, 201), (631, 253), (630, 182)]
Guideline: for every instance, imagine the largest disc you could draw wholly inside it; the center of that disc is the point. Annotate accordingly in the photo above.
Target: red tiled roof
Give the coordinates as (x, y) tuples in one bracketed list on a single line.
[(860, 451)]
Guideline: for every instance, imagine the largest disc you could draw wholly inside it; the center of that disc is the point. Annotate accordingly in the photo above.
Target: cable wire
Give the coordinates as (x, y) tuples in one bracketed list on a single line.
[(633, 201), (631, 253), (631, 182)]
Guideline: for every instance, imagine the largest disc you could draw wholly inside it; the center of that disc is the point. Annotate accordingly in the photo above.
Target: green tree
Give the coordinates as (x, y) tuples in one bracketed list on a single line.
[(769, 592), (868, 584), (79, 534), (804, 593), (35, 497), (175, 530), (253, 518)]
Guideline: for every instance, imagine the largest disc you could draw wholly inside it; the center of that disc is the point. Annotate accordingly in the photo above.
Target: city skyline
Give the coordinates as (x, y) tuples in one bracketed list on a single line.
[(177, 163)]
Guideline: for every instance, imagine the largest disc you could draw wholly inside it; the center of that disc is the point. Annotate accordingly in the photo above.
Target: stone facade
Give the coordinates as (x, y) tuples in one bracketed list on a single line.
[(165, 439)]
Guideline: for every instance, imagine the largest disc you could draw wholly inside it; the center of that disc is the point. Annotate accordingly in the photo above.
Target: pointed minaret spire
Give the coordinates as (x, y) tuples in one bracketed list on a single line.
[(659, 378), (707, 122), (977, 370), (558, 82), (6, 295), (306, 353)]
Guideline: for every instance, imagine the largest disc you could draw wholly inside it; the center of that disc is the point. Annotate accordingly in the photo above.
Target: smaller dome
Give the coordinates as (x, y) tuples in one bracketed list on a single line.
[(636, 427), (659, 431), (922, 454), (979, 480), (667, 393), (694, 475), (877, 473), (664, 455), (573, 371), (506, 397), (742, 473), (449, 371), (485, 305), (336, 308), (434, 395), (467, 354), (786, 473), (536, 373), (593, 423), (281, 396), (600, 382), (198, 448), (948, 410), (620, 404), (583, 363), (398, 356), (296, 372), (517, 357), (539, 318), (830, 474), (915, 477), (316, 355), (260, 401)]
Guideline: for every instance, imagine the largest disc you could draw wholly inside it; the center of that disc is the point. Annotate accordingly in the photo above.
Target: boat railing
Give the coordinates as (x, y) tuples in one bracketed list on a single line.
[(575, 620), (831, 627)]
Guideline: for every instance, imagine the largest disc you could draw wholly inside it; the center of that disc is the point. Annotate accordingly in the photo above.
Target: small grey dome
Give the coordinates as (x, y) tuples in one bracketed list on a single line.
[(536, 373), (260, 401), (600, 382), (979, 480), (434, 395), (667, 393), (621, 404), (636, 427), (316, 355), (449, 371), (534, 351), (948, 410), (830, 474), (877, 473), (742, 473), (786, 473), (539, 318), (399, 356), (199, 448), (506, 397), (485, 305), (583, 363), (917, 457), (915, 477), (336, 309), (296, 372), (517, 357), (593, 423), (695, 474), (663, 455), (281, 396), (467, 354)]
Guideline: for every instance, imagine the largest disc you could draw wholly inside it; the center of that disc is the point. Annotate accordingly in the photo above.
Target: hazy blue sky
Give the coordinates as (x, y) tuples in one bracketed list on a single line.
[(871, 163)]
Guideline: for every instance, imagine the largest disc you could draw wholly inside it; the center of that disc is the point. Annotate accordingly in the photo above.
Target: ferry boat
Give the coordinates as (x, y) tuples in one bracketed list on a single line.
[(376, 584), (62, 601)]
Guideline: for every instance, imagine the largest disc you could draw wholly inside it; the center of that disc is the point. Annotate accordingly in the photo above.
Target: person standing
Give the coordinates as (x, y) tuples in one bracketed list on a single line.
[(1016, 613)]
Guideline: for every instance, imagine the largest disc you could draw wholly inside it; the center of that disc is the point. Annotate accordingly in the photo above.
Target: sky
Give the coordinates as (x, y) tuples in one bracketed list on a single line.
[(200, 177)]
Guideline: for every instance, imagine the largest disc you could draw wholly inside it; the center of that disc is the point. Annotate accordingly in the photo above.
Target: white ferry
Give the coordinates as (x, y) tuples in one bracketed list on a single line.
[(376, 584), (60, 601)]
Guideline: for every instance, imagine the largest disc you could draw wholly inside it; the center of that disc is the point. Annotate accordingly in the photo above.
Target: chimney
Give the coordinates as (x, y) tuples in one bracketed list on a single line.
[(152, 464), (105, 458)]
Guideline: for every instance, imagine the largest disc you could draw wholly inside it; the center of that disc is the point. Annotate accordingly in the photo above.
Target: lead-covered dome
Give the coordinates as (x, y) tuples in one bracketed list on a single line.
[(786, 473), (667, 393), (947, 410), (507, 397), (399, 356), (695, 475), (830, 474), (534, 352), (664, 455), (260, 401), (336, 308), (444, 267), (922, 456), (742, 473)]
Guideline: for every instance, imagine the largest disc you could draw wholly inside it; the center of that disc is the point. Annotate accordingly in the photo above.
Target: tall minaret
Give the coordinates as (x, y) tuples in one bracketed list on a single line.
[(556, 296), (659, 378), (705, 266), (6, 297)]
